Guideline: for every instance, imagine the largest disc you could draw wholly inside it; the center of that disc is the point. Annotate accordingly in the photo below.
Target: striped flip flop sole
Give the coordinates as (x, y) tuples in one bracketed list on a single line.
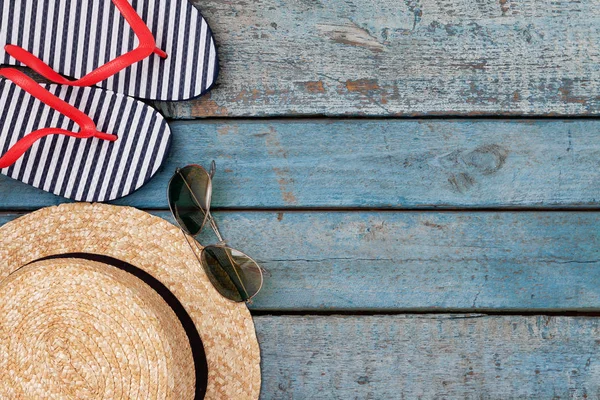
[(75, 37), (83, 169)]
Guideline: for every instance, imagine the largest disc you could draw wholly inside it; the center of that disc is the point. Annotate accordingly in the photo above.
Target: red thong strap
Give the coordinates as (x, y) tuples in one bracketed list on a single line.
[(145, 49), (87, 126)]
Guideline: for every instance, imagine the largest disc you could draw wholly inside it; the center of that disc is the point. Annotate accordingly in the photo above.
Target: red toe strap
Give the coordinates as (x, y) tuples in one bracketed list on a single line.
[(146, 48), (88, 127)]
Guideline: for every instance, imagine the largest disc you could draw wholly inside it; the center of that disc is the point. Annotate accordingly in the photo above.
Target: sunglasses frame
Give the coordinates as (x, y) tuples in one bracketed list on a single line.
[(199, 248)]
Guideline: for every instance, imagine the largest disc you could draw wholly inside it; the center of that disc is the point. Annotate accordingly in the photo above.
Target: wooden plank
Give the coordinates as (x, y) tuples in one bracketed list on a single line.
[(377, 164), (429, 356), (420, 261), (427, 57)]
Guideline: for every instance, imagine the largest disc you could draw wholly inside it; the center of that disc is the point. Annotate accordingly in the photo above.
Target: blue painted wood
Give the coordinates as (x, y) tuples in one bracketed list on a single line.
[(420, 261), (377, 164), (428, 57), (389, 58), (429, 357)]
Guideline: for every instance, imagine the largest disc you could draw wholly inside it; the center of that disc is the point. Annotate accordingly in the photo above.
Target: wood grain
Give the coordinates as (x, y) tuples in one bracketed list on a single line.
[(430, 357), (402, 58), (420, 261), (377, 164)]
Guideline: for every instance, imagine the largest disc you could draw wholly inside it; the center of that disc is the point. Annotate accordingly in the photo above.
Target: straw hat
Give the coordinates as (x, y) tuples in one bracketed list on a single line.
[(76, 328)]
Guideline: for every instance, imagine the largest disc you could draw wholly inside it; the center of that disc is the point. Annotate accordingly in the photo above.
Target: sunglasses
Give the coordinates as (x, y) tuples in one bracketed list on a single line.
[(236, 276)]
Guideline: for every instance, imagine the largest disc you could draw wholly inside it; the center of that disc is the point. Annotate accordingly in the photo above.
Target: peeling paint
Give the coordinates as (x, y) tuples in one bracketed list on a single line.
[(283, 173), (206, 107), (284, 179), (351, 35), (364, 86), (223, 130), (567, 96), (504, 6), (314, 87)]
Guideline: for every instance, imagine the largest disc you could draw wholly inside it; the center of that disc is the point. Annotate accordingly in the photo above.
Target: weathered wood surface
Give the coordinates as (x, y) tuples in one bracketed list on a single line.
[(426, 57), (409, 261), (377, 164), (430, 356), (405, 58)]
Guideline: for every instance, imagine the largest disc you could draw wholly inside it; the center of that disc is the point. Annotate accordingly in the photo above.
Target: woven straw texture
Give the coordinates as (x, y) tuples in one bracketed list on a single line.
[(85, 330), (148, 243)]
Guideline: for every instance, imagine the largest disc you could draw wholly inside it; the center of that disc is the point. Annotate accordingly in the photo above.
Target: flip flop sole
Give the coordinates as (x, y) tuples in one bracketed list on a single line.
[(91, 170), (75, 37)]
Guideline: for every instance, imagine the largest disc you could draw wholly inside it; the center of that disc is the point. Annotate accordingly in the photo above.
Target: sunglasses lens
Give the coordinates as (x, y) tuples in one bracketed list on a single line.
[(235, 275), (189, 198)]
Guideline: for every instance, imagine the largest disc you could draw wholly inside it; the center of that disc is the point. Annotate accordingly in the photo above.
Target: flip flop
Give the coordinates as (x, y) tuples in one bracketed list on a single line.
[(148, 49), (86, 144)]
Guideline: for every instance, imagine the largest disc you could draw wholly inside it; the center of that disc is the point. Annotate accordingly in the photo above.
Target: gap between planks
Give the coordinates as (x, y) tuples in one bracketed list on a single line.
[(439, 210)]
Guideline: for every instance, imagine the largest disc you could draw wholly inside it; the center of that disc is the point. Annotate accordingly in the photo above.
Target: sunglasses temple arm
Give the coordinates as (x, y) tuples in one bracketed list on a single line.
[(215, 227), (196, 244)]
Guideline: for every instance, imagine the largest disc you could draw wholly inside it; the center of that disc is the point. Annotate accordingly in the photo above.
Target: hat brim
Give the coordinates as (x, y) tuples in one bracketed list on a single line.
[(158, 248)]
